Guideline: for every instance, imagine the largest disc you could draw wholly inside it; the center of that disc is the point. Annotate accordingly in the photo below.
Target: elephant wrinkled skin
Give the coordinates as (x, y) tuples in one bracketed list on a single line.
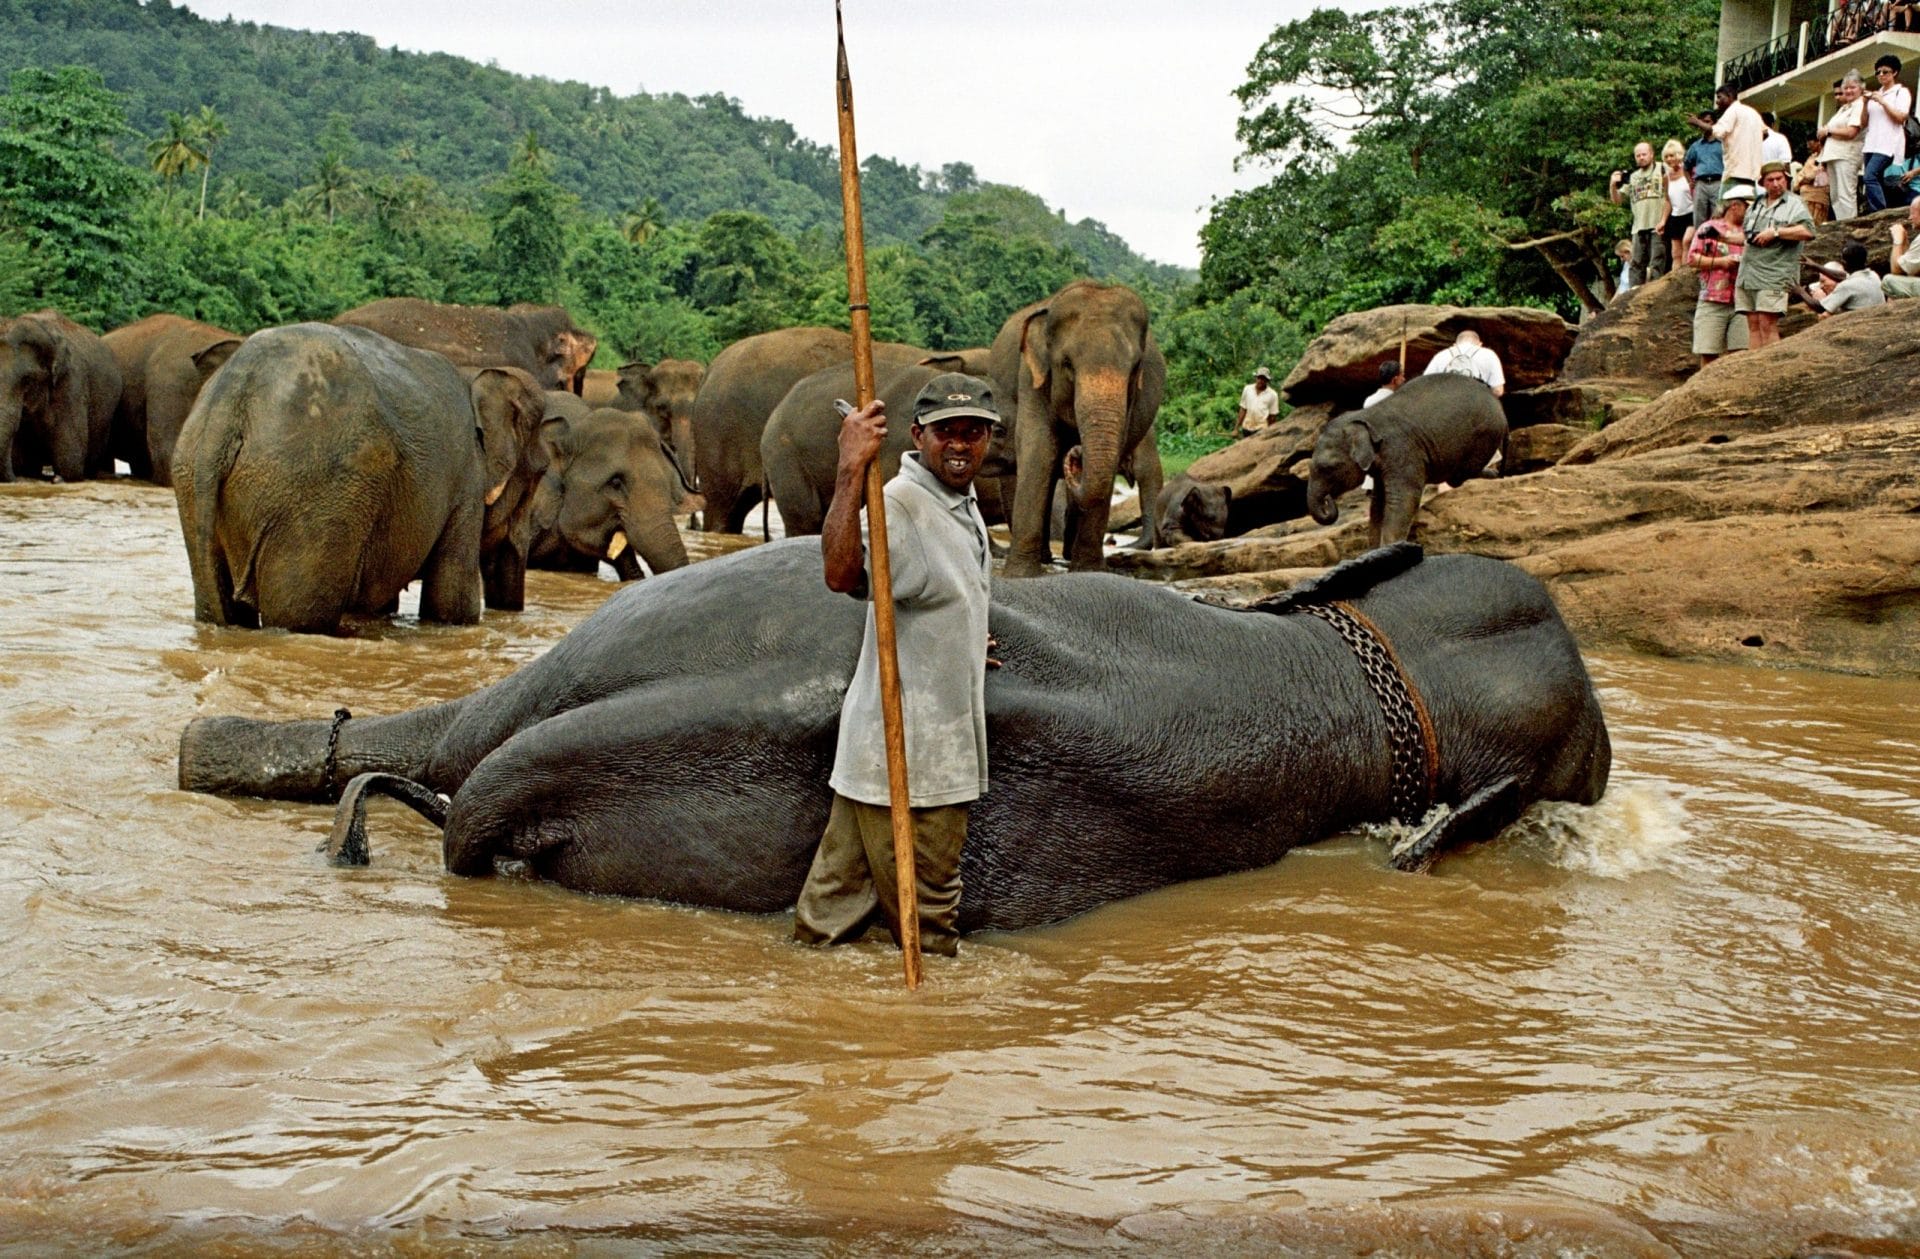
[(1080, 380), (164, 361), (539, 340), (1138, 738), (324, 468), (609, 491), (59, 386), (1434, 428)]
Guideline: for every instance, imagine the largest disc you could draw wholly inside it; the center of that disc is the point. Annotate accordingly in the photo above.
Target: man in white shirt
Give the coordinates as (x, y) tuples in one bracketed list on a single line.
[(1258, 404), (1392, 376), (1843, 139), (1886, 141), (1774, 147), (1739, 132), (1467, 357)]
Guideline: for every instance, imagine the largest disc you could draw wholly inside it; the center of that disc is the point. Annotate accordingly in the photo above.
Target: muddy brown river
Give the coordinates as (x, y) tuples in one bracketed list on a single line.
[(1685, 1021)]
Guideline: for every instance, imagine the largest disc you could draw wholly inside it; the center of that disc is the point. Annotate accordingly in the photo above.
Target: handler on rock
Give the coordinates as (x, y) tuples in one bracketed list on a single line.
[(937, 544)]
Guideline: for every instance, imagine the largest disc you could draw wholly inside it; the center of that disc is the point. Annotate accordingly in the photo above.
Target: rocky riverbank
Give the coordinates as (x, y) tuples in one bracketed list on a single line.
[(1765, 509)]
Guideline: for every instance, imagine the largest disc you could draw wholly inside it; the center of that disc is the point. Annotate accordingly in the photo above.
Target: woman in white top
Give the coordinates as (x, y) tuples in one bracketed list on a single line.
[(1679, 203)]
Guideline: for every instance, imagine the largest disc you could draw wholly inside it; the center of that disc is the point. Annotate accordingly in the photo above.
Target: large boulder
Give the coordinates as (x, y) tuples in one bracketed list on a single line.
[(1644, 336), (1844, 369), (1342, 364)]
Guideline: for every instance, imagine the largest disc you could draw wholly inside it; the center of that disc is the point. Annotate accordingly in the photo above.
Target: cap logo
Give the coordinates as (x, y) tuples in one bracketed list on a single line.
[(959, 397)]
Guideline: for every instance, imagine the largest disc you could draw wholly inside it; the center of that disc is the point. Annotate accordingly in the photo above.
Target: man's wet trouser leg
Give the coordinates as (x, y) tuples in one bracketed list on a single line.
[(853, 875)]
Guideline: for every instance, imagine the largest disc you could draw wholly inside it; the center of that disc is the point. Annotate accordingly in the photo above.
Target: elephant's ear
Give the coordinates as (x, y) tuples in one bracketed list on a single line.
[(1226, 495), (1360, 447), (214, 357), (1033, 347), (545, 510), (945, 362), (636, 379), (497, 422)]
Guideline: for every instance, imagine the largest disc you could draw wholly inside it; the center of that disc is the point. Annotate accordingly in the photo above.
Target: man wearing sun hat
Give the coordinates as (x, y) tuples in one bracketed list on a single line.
[(1777, 226), (1259, 403), (1715, 254), (937, 547)]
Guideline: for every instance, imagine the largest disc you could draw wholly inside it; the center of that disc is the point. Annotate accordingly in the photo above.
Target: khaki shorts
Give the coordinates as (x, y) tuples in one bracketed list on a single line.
[(1764, 301), (1716, 329)]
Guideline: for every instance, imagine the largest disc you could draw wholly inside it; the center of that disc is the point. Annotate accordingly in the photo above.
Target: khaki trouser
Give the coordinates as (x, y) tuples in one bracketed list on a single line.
[(853, 876)]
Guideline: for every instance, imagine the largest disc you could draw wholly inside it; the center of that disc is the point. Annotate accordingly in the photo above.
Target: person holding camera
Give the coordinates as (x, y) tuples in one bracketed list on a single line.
[(1715, 254), (1842, 143), (1888, 104), (1775, 229), (1647, 191)]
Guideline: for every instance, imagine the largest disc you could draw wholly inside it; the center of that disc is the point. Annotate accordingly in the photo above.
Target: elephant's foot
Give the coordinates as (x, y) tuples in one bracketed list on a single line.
[(1479, 817), (1020, 564), (347, 845)]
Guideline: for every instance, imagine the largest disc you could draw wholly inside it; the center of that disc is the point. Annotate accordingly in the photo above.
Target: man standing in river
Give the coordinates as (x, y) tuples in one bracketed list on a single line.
[(937, 543)]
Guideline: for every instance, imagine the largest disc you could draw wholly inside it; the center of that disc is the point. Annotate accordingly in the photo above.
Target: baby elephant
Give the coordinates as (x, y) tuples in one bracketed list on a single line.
[(1192, 511), (324, 468), (1433, 429)]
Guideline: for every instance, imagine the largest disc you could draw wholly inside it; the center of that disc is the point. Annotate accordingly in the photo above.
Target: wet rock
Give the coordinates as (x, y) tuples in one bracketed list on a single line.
[(1841, 371), (1341, 366)]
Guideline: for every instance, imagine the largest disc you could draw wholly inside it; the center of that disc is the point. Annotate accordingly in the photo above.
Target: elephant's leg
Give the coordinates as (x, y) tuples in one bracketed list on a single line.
[(213, 600), (1400, 504), (67, 438), (288, 760), (1147, 481), (1377, 510), (450, 579), (625, 795), (1032, 494), (503, 578), (1479, 817)]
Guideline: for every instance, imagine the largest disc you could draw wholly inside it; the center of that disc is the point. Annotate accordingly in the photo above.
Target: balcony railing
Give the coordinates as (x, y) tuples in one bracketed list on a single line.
[(1808, 42)]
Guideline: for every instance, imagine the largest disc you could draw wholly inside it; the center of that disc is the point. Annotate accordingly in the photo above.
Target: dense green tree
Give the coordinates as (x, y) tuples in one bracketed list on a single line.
[(526, 211), (746, 275), (63, 192)]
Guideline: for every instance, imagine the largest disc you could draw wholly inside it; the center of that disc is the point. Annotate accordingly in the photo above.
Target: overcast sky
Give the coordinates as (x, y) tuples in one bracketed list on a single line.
[(1116, 110)]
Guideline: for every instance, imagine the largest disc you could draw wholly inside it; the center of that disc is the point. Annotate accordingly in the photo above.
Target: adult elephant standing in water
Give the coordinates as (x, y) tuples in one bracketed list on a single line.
[(1137, 738), (1083, 380), (164, 361), (59, 386), (609, 493), (541, 341), (325, 468)]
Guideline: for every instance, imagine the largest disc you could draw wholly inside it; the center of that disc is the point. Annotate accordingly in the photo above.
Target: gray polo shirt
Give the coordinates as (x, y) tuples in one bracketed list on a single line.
[(1857, 292), (937, 547), (1776, 265)]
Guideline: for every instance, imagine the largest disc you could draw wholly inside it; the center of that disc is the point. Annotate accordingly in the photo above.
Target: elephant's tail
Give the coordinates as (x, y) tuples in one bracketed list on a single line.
[(347, 845)]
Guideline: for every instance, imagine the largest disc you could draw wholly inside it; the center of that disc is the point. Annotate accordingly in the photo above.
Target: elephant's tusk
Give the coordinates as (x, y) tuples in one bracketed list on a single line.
[(493, 495), (616, 544)]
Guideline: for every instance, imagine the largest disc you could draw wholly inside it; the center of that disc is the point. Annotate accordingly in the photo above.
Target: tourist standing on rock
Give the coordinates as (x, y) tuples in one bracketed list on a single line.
[(1392, 376), (1468, 357), (1258, 404), (1646, 190), (1715, 254), (1704, 163), (1888, 104), (1844, 141), (1776, 228), (1679, 203), (1810, 185), (1858, 290), (1904, 278), (1739, 130)]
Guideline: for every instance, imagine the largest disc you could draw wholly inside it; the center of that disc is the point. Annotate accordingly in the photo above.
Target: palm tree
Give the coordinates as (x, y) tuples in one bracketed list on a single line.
[(209, 129), (332, 180), (175, 151), (645, 221)]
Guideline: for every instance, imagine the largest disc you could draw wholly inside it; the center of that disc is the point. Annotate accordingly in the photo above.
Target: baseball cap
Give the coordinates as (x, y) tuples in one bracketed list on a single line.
[(951, 395)]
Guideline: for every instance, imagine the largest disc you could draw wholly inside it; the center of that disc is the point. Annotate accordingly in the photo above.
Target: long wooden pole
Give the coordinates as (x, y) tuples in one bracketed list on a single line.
[(908, 885)]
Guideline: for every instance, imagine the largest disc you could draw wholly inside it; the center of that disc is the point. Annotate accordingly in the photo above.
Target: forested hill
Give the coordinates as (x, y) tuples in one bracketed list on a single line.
[(293, 98)]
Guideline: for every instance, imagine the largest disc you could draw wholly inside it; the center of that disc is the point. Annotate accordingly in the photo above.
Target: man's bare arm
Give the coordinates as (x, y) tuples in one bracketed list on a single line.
[(862, 434)]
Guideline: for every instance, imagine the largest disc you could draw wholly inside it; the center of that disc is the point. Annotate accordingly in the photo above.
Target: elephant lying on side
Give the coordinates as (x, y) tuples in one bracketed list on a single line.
[(800, 451), (539, 340), (609, 491), (324, 468), (1137, 738), (59, 386), (164, 360), (1434, 428)]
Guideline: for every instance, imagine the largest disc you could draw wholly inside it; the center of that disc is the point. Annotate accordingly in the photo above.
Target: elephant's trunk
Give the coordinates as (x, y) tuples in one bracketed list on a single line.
[(1100, 413), (680, 430), (657, 540), (9, 430), (1322, 504)]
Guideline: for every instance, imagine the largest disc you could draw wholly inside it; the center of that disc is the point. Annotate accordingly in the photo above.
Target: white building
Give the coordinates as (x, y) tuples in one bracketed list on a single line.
[(1783, 55)]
